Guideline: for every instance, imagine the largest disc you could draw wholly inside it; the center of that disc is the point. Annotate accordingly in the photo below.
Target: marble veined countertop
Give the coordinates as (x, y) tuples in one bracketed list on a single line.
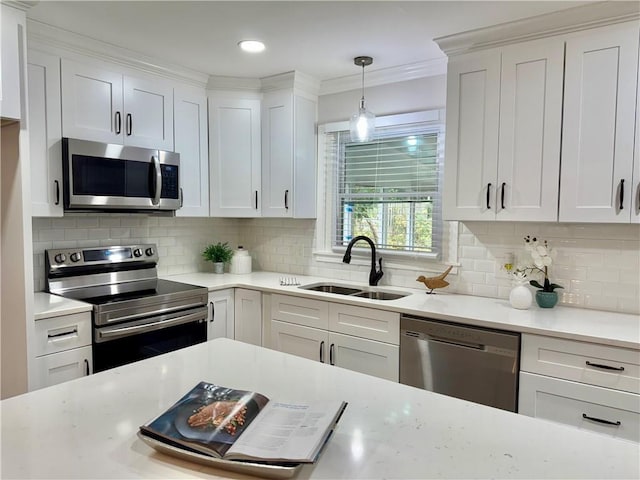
[(86, 428)]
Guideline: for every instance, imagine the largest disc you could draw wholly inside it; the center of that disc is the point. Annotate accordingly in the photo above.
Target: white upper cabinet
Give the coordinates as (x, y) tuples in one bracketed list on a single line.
[(234, 154), (502, 153), (12, 44), (471, 144), (45, 133), (106, 106), (635, 190), (288, 155), (601, 78), (190, 136)]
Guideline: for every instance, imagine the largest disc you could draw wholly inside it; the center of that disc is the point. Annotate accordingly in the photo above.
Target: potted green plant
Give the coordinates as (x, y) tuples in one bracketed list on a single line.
[(218, 253), (546, 296)]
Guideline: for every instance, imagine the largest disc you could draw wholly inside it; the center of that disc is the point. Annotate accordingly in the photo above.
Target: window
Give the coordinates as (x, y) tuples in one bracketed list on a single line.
[(389, 189)]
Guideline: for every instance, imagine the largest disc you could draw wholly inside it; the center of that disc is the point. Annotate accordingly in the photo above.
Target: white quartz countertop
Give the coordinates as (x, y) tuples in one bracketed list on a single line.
[(610, 328), (46, 305), (86, 428)]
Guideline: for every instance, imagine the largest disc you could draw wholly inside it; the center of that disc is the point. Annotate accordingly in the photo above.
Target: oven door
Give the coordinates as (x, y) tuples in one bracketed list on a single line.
[(132, 341)]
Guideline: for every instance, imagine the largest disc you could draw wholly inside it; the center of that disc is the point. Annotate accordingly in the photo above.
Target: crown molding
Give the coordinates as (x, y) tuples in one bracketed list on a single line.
[(297, 80), (383, 76), (23, 5), (219, 82), (566, 21), (54, 40)]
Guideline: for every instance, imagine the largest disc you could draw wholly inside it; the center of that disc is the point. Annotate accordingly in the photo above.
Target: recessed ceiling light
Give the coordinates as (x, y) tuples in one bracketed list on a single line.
[(253, 46)]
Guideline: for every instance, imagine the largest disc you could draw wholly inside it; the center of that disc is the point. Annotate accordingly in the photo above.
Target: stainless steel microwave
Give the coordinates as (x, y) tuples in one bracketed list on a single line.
[(118, 178)]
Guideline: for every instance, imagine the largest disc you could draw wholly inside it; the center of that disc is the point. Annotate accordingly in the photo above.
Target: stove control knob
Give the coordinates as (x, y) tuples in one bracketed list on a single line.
[(75, 257), (149, 251), (60, 258), (137, 252)]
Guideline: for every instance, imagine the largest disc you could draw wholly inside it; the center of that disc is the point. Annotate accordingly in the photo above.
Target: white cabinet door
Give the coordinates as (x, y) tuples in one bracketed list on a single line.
[(584, 406), (61, 367), (92, 103), (530, 125), (471, 145), (234, 153), (306, 342), (365, 356), (370, 323), (45, 133), (635, 188), (191, 142), (277, 154), (12, 44), (220, 322), (598, 126), (148, 120), (248, 316)]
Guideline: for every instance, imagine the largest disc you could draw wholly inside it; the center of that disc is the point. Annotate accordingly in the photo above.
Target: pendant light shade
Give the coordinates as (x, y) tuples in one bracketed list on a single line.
[(362, 123)]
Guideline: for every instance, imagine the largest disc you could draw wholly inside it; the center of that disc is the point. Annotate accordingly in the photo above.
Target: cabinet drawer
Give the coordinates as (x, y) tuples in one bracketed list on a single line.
[(298, 340), (62, 367), (365, 322), (600, 365), (57, 334), (365, 356), (301, 311), (583, 406)]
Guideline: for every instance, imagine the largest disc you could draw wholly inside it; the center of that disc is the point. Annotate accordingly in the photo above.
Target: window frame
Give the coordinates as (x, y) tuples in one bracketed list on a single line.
[(325, 251)]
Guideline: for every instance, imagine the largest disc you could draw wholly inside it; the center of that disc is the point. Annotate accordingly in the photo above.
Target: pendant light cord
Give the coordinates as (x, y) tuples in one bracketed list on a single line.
[(362, 99)]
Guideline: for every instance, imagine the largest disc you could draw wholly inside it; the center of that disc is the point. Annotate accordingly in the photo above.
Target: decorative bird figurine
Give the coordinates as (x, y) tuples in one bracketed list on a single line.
[(435, 282)]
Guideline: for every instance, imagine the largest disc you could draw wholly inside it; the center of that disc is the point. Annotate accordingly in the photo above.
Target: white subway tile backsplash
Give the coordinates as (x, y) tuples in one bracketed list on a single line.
[(598, 265)]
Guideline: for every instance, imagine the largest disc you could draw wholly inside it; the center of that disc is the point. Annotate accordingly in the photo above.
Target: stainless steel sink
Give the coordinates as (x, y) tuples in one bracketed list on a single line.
[(379, 295), (330, 288), (353, 292)]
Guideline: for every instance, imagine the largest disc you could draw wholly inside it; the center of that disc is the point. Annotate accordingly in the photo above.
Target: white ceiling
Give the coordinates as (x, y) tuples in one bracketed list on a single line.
[(317, 38)]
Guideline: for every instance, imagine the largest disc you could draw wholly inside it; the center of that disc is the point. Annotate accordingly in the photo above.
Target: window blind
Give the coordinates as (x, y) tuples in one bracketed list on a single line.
[(389, 189)]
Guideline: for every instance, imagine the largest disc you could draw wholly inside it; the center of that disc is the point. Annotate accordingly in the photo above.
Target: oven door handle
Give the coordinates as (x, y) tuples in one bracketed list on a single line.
[(111, 333)]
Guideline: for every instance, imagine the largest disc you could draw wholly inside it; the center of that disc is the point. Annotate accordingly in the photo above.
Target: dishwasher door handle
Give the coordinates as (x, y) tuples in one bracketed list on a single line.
[(474, 346)]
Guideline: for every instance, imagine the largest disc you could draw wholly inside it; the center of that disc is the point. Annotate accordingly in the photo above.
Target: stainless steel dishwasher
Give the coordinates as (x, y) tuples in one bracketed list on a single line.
[(473, 363)]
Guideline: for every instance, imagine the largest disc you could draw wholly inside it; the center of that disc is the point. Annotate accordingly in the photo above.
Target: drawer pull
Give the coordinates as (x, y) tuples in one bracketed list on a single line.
[(599, 420), (604, 367), (62, 335), (322, 351)]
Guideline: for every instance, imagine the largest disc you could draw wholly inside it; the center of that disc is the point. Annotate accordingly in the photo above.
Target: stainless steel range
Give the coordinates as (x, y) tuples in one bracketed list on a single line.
[(135, 314)]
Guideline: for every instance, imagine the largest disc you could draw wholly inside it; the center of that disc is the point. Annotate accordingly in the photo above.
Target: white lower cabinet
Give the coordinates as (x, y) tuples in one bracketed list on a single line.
[(361, 339), (590, 386), (62, 349), (248, 316), (220, 321), (584, 406)]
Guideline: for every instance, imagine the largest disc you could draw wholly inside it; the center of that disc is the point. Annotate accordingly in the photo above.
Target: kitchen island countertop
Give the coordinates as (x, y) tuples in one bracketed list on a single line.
[(86, 428)]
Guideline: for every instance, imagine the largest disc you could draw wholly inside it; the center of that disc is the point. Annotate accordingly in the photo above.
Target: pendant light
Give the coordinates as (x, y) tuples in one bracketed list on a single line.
[(362, 123)]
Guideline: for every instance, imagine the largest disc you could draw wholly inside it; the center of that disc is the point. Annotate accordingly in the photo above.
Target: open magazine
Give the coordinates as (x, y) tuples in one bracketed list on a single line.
[(241, 425)]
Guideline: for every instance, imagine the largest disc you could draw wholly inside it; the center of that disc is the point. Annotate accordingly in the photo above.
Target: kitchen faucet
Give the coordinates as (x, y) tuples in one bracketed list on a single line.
[(375, 275)]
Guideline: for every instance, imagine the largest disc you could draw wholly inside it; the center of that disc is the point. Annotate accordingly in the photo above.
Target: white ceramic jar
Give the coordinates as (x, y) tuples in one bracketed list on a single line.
[(520, 297), (241, 261)]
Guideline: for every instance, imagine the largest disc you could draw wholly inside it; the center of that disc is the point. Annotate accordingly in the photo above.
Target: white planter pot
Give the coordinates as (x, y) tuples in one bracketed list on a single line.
[(520, 297)]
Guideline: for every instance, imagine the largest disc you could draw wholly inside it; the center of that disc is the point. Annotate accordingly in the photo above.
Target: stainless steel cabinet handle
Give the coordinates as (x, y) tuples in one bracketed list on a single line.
[(53, 337), (622, 194), (600, 420), (181, 197), (502, 195), (57, 192), (604, 367), (331, 359), (488, 195), (86, 367), (213, 311), (129, 124), (118, 123), (256, 199), (286, 199), (322, 351)]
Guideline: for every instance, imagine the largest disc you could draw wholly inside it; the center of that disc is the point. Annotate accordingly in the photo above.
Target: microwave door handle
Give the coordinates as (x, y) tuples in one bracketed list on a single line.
[(158, 190)]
